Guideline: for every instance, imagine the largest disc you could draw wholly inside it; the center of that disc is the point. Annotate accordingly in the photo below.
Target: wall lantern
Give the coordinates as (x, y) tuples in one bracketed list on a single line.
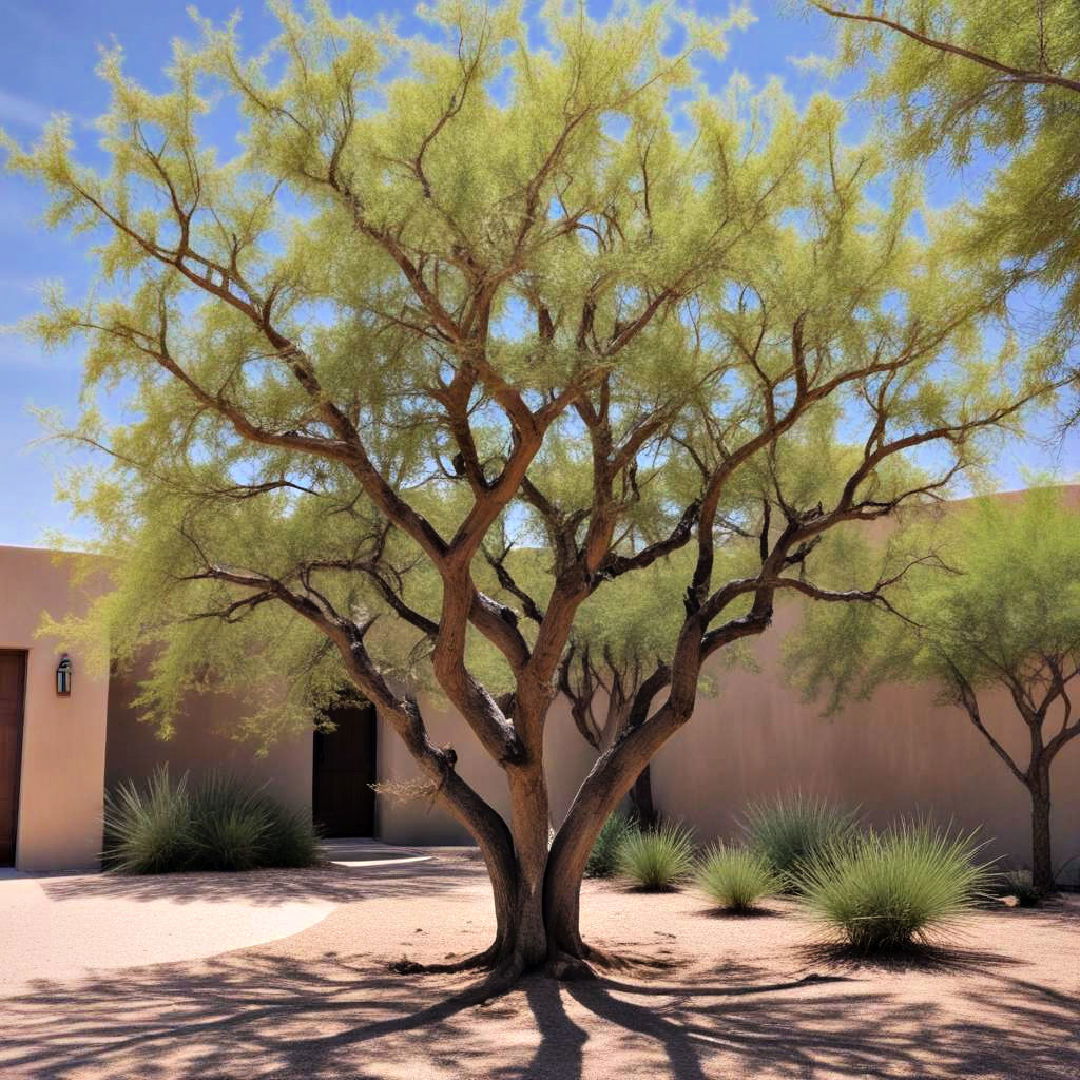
[(63, 676)]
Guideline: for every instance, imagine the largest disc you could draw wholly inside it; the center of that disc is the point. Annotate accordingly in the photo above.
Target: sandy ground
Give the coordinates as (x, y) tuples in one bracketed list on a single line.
[(749, 997), (58, 928)]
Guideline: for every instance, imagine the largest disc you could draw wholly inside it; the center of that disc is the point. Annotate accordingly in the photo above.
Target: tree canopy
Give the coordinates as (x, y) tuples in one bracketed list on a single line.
[(1001, 78), (463, 293)]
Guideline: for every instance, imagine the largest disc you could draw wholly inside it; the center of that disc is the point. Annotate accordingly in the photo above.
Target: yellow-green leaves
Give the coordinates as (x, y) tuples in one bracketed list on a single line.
[(536, 277)]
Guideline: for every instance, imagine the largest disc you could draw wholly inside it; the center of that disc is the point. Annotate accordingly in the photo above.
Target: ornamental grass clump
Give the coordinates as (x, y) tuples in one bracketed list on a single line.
[(1019, 885), (659, 859), (604, 857), (887, 890), (735, 879), (790, 830), (220, 823), (147, 830)]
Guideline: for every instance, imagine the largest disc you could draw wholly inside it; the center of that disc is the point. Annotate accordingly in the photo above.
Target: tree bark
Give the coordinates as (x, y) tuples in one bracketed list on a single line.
[(641, 799), (1042, 865)]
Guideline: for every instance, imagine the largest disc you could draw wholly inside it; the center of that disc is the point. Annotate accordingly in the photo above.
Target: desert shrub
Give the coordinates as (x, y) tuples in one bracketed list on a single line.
[(147, 830), (604, 857), (886, 890), (790, 830), (658, 859), (735, 879), (221, 823), (1018, 883), (292, 839), (230, 823)]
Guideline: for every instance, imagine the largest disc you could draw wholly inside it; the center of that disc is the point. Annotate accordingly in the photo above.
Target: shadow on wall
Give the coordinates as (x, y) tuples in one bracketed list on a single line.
[(201, 743), (260, 1015)]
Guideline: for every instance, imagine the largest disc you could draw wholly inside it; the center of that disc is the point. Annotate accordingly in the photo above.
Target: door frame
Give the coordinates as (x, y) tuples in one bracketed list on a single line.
[(20, 730)]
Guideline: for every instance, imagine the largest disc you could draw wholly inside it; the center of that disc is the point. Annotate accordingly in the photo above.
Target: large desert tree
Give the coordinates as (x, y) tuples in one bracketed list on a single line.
[(997, 610), (454, 289)]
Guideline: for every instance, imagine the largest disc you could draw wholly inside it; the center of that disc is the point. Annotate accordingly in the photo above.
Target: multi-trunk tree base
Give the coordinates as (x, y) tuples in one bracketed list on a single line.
[(502, 969)]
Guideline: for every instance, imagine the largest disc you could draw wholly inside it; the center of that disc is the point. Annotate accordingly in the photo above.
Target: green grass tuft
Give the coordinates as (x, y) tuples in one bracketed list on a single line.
[(147, 830), (221, 823), (604, 857), (735, 879), (887, 890), (790, 830), (1018, 884), (658, 859)]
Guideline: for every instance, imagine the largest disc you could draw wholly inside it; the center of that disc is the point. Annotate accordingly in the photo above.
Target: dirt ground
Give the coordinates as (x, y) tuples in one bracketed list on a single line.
[(734, 997)]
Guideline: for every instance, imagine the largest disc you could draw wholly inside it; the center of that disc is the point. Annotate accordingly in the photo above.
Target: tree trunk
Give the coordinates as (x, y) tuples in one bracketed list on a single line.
[(611, 778), (1042, 865), (529, 825), (641, 799)]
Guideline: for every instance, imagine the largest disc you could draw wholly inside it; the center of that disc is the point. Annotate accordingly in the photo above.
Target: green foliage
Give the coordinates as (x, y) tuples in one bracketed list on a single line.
[(970, 615), (386, 188), (1019, 884), (735, 879), (219, 823), (790, 830), (604, 857), (888, 890), (658, 859), (1023, 107), (147, 830)]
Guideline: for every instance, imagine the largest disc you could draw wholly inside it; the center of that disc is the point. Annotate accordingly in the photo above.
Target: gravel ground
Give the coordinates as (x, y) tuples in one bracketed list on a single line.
[(702, 996)]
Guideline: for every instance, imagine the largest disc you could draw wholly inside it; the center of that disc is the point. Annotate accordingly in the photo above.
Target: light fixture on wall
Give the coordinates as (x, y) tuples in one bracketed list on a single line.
[(63, 676)]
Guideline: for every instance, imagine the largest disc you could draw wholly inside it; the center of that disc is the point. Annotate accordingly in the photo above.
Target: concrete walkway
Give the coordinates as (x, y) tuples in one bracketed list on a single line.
[(57, 927)]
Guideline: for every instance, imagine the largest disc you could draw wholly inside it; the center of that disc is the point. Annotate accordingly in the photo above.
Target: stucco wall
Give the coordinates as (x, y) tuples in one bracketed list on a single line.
[(896, 754), (63, 744), (203, 740)]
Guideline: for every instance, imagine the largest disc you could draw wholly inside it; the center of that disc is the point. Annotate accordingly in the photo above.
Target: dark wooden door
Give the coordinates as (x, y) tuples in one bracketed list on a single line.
[(12, 684), (344, 766)]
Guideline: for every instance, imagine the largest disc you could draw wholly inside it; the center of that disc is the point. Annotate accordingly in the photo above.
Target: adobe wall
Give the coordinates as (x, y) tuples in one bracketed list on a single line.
[(63, 741), (898, 753), (203, 740)]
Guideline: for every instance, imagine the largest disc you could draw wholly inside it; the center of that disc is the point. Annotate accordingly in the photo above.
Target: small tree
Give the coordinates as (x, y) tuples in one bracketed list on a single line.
[(460, 289), (1006, 618)]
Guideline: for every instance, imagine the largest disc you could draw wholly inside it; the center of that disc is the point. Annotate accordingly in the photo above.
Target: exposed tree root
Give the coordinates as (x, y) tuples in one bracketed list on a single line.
[(503, 971), (488, 958), (568, 968)]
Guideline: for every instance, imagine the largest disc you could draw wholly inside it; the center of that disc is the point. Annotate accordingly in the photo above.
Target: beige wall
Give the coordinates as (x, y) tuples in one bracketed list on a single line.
[(63, 746), (203, 740), (896, 754)]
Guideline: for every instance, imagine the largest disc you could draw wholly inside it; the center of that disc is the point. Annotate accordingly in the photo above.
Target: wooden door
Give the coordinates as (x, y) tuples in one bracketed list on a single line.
[(344, 766), (12, 685)]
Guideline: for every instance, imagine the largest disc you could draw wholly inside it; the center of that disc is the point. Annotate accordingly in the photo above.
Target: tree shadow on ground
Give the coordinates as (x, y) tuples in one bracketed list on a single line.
[(337, 884), (756, 912), (914, 957), (256, 1014)]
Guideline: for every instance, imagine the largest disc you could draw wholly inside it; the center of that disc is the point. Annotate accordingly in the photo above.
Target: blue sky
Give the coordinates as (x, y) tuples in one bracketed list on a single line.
[(48, 51)]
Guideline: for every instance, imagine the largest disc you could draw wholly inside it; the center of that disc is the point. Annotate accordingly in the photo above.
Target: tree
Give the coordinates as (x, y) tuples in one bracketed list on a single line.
[(1001, 610), (965, 75), (616, 663), (460, 289)]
